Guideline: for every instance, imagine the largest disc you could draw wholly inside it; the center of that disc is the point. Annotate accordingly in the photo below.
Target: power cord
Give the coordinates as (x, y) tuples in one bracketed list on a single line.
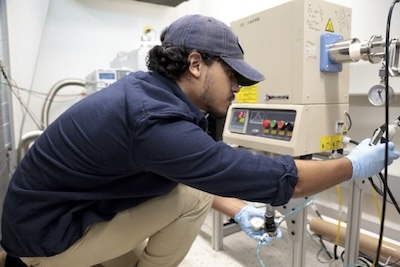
[(385, 180), (25, 107)]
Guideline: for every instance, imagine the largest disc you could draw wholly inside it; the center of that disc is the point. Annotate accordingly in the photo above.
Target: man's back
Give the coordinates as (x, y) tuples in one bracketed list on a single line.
[(82, 169)]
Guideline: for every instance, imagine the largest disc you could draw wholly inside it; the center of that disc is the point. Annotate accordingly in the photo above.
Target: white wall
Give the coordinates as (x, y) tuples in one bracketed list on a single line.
[(51, 40), (63, 39), (70, 38)]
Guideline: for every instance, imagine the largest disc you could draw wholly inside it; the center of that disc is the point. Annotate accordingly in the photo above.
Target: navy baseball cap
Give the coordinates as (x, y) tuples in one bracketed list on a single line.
[(211, 36)]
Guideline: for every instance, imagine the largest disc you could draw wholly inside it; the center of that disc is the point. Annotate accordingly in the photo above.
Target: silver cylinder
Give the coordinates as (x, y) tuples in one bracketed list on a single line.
[(373, 50), (339, 52)]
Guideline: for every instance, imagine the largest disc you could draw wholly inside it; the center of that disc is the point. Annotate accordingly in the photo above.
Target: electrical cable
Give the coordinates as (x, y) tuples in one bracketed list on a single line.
[(321, 242), (23, 105), (389, 192), (385, 180), (365, 262), (354, 142), (392, 264), (350, 121), (314, 208), (318, 257), (41, 95), (376, 188), (322, 246)]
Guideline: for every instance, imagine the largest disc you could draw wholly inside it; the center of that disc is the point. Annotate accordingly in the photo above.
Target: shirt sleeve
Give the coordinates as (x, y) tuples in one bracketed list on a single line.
[(181, 151)]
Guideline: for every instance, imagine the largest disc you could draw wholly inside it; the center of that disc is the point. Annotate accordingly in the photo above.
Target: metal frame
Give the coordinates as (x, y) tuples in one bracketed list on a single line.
[(352, 244), (296, 225)]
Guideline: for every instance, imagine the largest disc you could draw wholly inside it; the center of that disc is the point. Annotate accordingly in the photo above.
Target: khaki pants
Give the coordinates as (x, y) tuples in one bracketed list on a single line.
[(169, 223)]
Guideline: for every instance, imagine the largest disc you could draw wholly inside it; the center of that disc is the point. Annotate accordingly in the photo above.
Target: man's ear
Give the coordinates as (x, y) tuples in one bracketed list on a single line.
[(195, 64)]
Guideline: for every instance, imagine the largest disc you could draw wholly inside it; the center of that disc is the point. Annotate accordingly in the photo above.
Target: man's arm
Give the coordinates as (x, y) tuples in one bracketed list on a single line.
[(362, 162), (316, 176), (242, 214), (228, 206)]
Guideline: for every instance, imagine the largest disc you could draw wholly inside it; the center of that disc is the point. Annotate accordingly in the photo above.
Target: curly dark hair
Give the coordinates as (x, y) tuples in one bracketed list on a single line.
[(172, 61)]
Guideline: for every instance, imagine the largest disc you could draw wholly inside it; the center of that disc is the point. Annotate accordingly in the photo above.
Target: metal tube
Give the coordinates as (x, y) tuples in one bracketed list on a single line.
[(351, 50), (50, 96), (373, 50), (25, 142), (340, 51)]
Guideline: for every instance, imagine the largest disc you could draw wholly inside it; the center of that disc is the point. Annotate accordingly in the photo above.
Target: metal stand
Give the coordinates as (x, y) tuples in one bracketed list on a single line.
[(219, 230), (352, 244), (217, 235), (296, 224)]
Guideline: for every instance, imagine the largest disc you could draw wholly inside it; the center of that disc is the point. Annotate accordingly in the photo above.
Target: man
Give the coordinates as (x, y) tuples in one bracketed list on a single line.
[(133, 162)]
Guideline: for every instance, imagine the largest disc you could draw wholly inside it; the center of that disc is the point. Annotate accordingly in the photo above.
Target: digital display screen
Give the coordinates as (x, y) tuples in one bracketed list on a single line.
[(106, 76), (239, 117), (239, 120)]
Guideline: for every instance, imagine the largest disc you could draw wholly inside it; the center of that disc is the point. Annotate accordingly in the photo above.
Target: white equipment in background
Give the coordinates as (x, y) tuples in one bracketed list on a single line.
[(136, 59), (99, 79), (299, 110), (123, 64)]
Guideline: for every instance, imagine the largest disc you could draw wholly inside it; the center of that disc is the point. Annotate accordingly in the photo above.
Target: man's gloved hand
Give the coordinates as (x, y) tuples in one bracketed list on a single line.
[(369, 160), (243, 219)]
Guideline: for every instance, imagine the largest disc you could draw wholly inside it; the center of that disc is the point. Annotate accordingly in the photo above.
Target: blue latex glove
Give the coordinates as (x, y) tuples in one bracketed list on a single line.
[(243, 219), (369, 160)]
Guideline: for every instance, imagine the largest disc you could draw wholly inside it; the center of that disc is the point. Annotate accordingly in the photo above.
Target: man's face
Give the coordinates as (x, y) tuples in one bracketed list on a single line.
[(220, 86)]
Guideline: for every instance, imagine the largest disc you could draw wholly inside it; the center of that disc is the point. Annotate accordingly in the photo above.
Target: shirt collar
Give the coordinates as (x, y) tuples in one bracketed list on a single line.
[(201, 115)]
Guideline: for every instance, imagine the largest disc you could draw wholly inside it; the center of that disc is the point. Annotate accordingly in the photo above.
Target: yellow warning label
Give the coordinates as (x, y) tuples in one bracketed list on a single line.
[(247, 94), (329, 26), (337, 141), (331, 142), (325, 143)]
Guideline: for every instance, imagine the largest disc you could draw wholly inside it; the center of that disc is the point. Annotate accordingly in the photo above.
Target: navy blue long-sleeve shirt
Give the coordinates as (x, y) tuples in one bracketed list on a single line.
[(118, 147)]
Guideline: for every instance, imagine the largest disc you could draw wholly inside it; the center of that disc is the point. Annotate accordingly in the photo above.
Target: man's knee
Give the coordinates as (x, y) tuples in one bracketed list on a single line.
[(203, 200)]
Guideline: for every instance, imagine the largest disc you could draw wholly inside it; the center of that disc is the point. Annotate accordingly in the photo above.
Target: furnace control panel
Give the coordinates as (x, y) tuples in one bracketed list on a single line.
[(267, 123)]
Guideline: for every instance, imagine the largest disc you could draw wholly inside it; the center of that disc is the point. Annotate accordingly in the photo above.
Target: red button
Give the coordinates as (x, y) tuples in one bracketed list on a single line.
[(266, 124), (280, 124)]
